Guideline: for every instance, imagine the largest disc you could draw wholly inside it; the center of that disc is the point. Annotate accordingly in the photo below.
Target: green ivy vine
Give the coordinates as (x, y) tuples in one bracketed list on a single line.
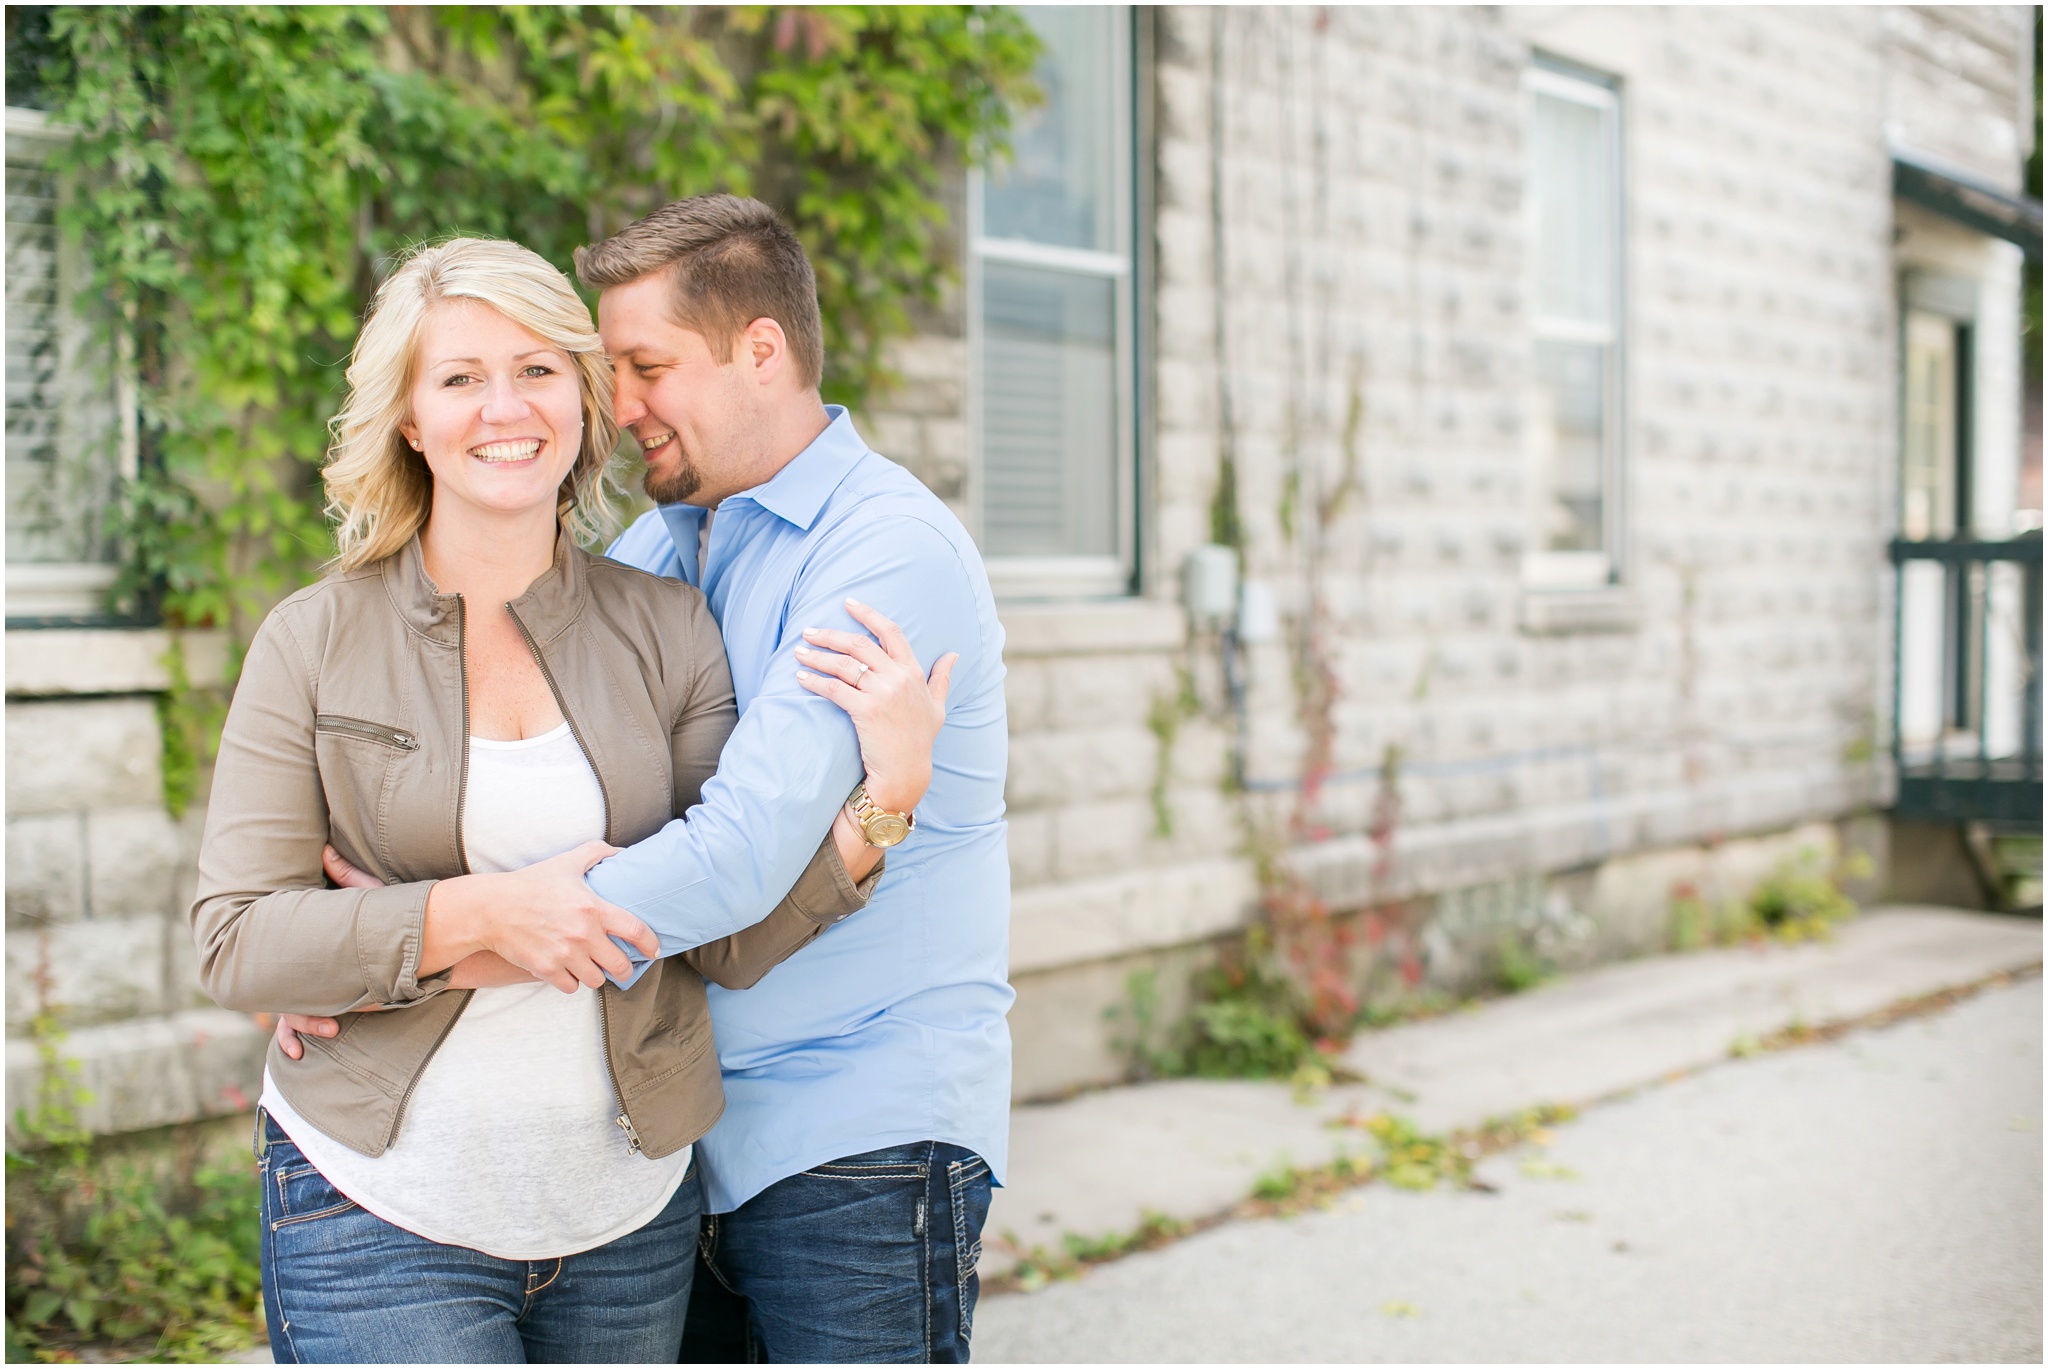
[(242, 172)]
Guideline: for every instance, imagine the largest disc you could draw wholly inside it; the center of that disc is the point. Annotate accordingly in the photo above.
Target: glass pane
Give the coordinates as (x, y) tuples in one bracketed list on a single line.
[(1048, 412), (1571, 178), (31, 313), (1567, 427), (1059, 185), (1927, 480), (60, 476)]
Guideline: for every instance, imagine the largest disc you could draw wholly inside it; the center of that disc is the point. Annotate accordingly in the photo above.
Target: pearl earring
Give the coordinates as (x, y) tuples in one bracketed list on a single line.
[(415, 443)]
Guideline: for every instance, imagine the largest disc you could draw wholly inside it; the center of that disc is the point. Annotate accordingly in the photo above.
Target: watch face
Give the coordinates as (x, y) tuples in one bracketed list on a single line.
[(886, 829)]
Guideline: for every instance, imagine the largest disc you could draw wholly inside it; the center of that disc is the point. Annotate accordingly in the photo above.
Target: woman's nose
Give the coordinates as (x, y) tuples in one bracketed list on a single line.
[(504, 404)]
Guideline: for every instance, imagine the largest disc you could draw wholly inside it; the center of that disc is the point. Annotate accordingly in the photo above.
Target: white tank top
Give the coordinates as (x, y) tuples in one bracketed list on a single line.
[(508, 1144)]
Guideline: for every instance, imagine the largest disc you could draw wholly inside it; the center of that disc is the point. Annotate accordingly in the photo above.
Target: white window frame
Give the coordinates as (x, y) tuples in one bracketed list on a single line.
[(1068, 577), (62, 591), (1542, 569)]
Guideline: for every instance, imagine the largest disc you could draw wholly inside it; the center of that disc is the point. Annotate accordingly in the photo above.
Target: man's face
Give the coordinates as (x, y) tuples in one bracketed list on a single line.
[(689, 412)]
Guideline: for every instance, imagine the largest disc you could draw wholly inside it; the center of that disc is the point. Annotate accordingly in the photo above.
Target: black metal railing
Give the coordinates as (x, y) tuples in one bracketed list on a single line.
[(1967, 668)]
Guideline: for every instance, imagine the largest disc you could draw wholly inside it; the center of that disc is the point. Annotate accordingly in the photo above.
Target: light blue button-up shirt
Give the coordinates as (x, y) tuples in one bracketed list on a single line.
[(890, 1027)]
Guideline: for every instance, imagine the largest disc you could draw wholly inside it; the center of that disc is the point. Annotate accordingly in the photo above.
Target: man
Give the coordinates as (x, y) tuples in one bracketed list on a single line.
[(867, 1079)]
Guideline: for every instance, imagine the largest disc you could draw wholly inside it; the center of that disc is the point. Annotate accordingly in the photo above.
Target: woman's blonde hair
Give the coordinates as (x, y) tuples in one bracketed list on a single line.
[(378, 488)]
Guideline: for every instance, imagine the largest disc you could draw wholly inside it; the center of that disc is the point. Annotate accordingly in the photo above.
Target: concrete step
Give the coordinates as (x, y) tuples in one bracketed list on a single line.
[(1096, 1164)]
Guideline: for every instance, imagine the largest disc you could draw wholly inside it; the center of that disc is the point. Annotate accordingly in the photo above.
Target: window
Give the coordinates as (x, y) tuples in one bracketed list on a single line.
[(1932, 469), (1050, 322), (1941, 645), (65, 452), (1575, 290)]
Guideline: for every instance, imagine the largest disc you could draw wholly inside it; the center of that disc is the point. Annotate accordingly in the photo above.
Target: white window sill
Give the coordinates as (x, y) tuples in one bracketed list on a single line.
[(1611, 608), (1100, 627), (1054, 579), (57, 590)]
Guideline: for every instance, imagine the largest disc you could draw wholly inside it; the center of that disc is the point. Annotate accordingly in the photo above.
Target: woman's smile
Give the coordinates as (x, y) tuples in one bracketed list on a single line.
[(507, 451)]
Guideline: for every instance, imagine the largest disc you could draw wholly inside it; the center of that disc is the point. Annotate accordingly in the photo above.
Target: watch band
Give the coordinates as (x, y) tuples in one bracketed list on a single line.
[(879, 827)]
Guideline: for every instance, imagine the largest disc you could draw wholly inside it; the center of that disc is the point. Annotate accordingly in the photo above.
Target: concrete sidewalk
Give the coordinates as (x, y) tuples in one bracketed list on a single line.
[(1095, 1165)]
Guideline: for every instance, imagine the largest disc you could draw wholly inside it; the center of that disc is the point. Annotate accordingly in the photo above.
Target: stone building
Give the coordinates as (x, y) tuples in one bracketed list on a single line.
[(1438, 463)]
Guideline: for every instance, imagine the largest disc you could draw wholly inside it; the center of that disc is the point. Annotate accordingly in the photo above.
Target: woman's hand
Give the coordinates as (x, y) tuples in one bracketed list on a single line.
[(543, 919), (896, 710)]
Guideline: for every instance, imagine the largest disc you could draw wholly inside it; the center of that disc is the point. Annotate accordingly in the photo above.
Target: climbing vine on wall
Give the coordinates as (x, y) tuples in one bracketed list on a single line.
[(243, 171)]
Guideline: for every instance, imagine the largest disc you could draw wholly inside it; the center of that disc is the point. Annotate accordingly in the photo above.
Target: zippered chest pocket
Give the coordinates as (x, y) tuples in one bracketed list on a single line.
[(397, 738)]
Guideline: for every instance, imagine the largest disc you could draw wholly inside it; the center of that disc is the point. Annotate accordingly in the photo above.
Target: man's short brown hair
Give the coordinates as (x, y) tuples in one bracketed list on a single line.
[(731, 260)]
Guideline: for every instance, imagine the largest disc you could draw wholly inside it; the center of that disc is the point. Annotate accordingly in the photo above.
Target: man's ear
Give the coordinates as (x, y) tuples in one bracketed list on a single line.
[(765, 348)]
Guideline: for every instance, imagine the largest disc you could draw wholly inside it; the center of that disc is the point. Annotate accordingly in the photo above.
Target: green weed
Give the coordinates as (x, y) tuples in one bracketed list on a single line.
[(1247, 1021), (1036, 1266), (103, 1253), (1516, 967), (1800, 900)]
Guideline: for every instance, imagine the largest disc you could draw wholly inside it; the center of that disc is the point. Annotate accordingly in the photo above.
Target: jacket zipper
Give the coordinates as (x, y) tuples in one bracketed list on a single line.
[(462, 774), (624, 1119), (461, 855), (376, 732), (398, 1116), (574, 730)]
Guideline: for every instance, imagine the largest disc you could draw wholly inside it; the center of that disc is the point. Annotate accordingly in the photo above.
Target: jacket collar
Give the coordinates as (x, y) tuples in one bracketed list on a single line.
[(549, 605)]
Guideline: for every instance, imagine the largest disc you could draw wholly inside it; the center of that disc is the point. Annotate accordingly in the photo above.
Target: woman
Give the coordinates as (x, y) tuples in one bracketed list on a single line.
[(490, 1160)]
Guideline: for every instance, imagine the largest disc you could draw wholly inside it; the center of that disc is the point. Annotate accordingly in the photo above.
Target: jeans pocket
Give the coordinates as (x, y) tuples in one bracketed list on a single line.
[(301, 1193), (971, 1192)]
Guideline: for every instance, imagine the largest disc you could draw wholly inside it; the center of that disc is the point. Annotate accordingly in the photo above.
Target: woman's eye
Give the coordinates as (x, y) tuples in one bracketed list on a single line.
[(457, 380), (537, 370)]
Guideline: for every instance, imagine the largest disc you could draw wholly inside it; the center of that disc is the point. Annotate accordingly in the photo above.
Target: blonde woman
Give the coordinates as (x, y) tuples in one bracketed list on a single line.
[(490, 1160)]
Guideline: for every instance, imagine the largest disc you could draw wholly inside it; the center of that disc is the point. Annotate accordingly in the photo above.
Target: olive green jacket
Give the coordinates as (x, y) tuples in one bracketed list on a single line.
[(350, 724)]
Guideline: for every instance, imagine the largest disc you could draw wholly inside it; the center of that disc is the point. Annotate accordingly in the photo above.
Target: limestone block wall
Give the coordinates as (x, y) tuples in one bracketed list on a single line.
[(1955, 84), (99, 878), (1373, 260), (1339, 310)]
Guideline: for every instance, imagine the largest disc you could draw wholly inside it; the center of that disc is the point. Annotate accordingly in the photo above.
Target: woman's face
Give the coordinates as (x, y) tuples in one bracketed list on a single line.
[(496, 411)]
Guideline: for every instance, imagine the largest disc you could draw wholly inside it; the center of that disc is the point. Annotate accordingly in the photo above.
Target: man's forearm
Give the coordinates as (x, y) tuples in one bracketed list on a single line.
[(729, 865)]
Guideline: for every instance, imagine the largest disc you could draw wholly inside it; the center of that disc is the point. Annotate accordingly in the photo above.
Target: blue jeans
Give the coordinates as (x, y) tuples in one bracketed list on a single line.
[(341, 1285), (870, 1259)]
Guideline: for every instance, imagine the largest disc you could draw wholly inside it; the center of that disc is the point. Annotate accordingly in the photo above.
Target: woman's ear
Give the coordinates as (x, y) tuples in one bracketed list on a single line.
[(411, 433)]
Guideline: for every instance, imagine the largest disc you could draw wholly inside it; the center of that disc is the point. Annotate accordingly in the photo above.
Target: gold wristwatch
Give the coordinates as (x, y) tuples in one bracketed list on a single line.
[(881, 827)]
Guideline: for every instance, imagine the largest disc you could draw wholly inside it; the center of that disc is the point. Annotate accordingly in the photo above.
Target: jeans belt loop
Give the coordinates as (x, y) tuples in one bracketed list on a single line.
[(260, 1143)]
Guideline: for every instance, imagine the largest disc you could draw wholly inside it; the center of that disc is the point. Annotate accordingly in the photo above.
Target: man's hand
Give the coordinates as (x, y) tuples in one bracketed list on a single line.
[(290, 1025), (347, 876)]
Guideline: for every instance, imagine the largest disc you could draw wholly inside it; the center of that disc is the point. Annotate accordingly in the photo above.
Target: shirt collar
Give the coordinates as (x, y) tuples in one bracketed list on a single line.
[(799, 490)]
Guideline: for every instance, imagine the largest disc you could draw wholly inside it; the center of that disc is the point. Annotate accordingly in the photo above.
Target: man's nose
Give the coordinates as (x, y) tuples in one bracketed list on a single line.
[(627, 406)]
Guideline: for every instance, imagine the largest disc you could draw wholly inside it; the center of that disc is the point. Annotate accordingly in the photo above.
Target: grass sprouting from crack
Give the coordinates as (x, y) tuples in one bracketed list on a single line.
[(1398, 1153)]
